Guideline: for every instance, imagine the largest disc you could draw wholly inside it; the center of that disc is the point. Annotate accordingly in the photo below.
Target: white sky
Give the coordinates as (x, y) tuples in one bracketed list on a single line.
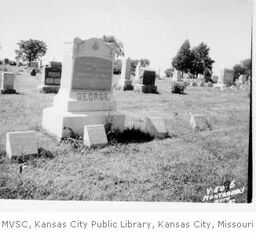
[(153, 29)]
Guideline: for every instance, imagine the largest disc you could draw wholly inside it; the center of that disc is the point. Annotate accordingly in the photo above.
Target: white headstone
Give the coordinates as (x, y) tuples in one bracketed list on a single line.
[(85, 96), (125, 83), (199, 122), (21, 143), (95, 135), (177, 75), (7, 81), (156, 127)]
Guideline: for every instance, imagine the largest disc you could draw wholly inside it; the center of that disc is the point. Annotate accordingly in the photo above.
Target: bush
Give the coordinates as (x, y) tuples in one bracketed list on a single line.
[(178, 87)]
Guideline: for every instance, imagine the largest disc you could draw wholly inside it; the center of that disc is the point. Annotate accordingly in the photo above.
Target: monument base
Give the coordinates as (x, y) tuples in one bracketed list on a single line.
[(48, 88), (7, 91), (125, 85), (145, 88), (62, 123)]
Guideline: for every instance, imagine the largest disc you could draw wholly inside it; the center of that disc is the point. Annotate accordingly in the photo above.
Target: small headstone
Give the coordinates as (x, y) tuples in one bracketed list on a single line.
[(156, 127), (214, 79), (21, 143), (146, 82), (33, 72), (209, 84), (7, 83), (177, 75), (226, 77), (149, 77), (51, 77), (199, 122), (95, 135), (34, 64)]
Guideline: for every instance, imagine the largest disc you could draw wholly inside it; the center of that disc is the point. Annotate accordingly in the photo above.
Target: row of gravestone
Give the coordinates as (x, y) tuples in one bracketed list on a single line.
[(23, 143)]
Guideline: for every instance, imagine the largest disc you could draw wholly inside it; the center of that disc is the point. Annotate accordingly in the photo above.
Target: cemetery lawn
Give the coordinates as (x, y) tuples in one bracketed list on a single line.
[(179, 168)]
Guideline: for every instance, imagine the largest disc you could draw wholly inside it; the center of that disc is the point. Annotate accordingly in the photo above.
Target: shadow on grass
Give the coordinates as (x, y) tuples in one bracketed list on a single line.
[(129, 135), (30, 159)]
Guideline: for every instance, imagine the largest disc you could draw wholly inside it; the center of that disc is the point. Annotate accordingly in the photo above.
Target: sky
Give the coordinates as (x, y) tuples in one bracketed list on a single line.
[(153, 29)]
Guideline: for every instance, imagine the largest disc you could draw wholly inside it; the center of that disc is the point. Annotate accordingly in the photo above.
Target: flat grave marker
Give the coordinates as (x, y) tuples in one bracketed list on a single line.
[(156, 127), (95, 135), (21, 143)]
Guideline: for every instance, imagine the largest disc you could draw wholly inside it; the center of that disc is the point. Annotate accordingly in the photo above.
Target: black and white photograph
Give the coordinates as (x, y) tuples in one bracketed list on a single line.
[(126, 101)]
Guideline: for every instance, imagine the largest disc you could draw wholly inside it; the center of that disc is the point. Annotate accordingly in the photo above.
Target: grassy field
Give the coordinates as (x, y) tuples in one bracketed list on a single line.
[(179, 168)]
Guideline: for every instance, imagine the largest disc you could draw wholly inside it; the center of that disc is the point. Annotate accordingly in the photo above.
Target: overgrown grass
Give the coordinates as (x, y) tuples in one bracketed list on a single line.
[(179, 168)]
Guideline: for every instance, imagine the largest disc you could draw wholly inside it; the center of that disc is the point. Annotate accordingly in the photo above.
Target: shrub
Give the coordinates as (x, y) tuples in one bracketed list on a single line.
[(178, 87)]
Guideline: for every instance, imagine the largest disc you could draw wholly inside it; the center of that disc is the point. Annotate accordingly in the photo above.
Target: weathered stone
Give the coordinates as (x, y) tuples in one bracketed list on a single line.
[(156, 127), (85, 96), (21, 143), (7, 83), (199, 122), (95, 135)]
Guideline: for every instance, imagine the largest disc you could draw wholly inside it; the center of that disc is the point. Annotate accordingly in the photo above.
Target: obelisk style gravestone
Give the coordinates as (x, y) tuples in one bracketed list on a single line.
[(125, 82)]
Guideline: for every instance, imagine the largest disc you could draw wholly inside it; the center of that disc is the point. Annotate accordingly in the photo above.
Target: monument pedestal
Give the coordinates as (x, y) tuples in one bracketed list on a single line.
[(48, 88), (145, 88), (85, 97), (61, 123), (7, 91)]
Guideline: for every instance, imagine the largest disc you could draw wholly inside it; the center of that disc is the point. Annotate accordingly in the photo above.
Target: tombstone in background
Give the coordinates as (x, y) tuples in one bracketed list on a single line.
[(51, 78), (146, 81), (226, 77), (242, 79), (33, 72), (85, 96), (56, 64), (200, 122), (34, 65), (125, 83), (214, 79), (156, 127), (95, 135), (7, 83), (177, 75), (21, 143)]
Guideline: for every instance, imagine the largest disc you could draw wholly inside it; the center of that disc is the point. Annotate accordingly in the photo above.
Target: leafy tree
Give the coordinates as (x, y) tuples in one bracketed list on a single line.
[(247, 65), (169, 72), (118, 44), (144, 62), (30, 50), (244, 68), (182, 60), (200, 60), (238, 70)]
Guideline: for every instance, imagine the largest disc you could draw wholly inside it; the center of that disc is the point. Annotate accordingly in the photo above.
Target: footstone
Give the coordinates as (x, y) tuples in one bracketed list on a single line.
[(21, 143), (7, 83), (156, 127), (85, 96), (199, 122), (145, 88), (95, 135)]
